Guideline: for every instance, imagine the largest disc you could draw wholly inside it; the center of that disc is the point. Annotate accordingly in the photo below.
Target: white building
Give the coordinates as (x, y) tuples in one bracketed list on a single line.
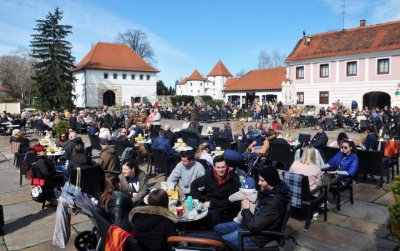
[(213, 85), (113, 74), (256, 85), (359, 64)]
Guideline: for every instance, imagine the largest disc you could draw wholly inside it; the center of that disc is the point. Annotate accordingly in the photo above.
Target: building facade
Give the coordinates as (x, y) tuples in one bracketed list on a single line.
[(213, 85), (358, 64), (114, 75), (256, 85)]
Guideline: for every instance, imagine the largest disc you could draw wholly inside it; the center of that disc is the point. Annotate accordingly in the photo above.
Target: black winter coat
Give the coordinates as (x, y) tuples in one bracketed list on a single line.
[(206, 188), (269, 212), (153, 225), (118, 208)]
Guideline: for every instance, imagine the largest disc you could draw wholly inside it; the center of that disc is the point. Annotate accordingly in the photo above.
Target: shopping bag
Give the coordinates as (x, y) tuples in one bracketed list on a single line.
[(71, 188), (62, 227)]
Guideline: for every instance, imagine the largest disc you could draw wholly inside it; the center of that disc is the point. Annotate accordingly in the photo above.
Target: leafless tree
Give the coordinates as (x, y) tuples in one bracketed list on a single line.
[(15, 72), (278, 59), (137, 41), (266, 61), (241, 73)]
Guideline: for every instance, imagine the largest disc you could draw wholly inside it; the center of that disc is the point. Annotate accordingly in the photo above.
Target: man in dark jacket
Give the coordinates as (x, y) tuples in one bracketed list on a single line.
[(371, 143), (214, 189), (268, 215), (162, 143), (108, 156), (320, 139)]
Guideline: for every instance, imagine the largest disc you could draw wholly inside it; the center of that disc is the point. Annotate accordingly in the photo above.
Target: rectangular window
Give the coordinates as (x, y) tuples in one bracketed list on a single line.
[(351, 68), (115, 75), (323, 98), (324, 70), (133, 76), (124, 76), (300, 72), (148, 77), (105, 75), (141, 76), (300, 98), (383, 66)]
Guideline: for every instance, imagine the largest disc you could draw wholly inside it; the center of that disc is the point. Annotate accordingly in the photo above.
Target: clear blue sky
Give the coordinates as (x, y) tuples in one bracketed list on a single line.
[(188, 35)]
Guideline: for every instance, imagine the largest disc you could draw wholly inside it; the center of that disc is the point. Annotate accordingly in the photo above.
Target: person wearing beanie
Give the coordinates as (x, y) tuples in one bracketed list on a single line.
[(272, 200)]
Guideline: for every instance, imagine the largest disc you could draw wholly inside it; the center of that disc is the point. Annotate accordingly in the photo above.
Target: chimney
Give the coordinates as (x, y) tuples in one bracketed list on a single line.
[(362, 22)]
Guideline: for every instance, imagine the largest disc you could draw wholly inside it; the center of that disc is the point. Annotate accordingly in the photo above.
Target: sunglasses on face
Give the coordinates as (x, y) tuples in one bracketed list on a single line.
[(345, 147)]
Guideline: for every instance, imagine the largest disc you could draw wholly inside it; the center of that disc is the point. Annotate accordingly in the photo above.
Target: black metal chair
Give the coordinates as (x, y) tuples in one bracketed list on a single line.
[(88, 152), (329, 152), (191, 139), (339, 187), (329, 125), (281, 153), (19, 158), (160, 162), (149, 159), (95, 142), (278, 237), (119, 147), (372, 163), (224, 143), (304, 138), (364, 124), (309, 199), (91, 180)]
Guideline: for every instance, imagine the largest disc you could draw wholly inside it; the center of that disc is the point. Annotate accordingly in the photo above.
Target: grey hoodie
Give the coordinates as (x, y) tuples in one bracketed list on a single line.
[(184, 176)]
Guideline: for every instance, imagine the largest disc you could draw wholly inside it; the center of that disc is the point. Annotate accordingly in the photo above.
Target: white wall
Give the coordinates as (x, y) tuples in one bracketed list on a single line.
[(129, 88)]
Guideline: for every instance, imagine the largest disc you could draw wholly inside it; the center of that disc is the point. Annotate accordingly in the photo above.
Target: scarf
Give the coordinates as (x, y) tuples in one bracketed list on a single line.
[(222, 180), (116, 238)]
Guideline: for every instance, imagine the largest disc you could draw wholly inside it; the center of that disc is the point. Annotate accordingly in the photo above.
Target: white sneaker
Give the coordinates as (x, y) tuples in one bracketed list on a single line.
[(315, 216)]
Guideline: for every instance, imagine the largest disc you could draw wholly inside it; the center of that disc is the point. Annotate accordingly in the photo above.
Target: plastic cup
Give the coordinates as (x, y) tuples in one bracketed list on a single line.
[(179, 211)]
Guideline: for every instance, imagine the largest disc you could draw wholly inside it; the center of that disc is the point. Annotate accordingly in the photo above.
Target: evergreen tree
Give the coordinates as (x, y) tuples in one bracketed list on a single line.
[(53, 79)]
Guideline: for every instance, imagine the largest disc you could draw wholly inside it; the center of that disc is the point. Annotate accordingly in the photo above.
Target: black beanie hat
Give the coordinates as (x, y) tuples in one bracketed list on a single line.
[(271, 175)]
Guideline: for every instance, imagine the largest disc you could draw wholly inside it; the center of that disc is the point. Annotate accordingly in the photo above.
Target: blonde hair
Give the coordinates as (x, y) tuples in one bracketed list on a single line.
[(308, 156), (202, 147)]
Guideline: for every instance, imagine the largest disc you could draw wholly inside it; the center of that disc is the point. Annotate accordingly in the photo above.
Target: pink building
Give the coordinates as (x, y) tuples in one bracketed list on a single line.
[(361, 64)]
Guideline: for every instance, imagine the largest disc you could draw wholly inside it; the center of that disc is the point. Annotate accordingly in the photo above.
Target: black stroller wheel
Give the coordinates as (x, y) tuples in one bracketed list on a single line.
[(85, 240)]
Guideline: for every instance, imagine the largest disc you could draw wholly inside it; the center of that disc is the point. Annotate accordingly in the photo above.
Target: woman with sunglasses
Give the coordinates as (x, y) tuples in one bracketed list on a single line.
[(343, 165)]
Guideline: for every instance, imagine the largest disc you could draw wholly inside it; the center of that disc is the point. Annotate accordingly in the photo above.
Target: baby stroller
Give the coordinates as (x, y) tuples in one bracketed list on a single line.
[(95, 239)]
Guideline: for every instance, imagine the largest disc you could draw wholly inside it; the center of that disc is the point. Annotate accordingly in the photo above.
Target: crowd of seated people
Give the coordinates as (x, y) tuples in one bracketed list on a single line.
[(212, 185)]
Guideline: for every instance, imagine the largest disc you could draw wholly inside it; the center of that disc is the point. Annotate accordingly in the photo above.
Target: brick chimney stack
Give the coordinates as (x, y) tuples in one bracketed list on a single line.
[(363, 22)]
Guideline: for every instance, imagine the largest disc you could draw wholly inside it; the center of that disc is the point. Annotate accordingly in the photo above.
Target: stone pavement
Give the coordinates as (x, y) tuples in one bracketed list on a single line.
[(361, 226)]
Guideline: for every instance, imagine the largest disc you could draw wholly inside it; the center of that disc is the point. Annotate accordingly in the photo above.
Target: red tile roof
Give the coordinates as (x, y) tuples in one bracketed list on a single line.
[(265, 79), (219, 70), (379, 37), (108, 56), (230, 81), (196, 76)]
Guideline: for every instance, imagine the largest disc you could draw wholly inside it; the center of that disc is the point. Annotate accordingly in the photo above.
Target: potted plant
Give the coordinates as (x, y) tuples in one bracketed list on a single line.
[(394, 210), (61, 126)]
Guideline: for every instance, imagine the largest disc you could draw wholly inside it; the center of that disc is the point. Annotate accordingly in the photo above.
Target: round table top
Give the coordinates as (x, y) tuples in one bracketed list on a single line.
[(183, 148), (193, 215), (58, 153)]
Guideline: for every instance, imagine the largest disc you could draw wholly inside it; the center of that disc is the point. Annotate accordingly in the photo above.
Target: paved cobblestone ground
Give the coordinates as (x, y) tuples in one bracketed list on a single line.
[(361, 226)]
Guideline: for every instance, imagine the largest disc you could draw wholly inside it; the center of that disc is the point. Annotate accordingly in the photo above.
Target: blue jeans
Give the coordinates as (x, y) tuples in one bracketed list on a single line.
[(229, 232)]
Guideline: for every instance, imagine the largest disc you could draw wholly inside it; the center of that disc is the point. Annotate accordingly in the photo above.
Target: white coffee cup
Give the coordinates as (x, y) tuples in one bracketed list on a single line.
[(218, 148)]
